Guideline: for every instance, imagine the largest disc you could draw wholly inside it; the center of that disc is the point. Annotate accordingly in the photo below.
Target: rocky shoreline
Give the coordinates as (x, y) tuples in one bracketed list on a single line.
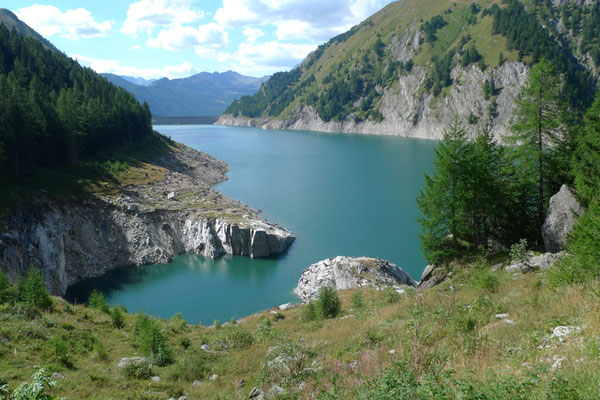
[(140, 225)]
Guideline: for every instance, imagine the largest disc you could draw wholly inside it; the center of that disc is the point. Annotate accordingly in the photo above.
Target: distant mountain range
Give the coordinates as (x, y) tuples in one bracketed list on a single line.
[(199, 95)]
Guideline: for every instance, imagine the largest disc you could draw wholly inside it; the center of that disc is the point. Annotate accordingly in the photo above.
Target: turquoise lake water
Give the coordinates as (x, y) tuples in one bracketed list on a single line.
[(340, 194)]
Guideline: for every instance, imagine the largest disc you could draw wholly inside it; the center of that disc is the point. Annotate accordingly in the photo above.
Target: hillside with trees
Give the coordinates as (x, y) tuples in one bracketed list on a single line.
[(404, 70)]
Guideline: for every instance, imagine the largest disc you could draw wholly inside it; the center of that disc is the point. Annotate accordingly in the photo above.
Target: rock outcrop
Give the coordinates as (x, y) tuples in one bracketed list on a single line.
[(560, 219), (533, 263), (344, 273), (432, 276), (138, 226), (410, 112)]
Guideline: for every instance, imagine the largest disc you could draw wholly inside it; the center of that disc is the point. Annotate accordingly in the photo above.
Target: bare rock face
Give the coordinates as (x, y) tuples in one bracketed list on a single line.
[(560, 219), (344, 273), (533, 263), (432, 276)]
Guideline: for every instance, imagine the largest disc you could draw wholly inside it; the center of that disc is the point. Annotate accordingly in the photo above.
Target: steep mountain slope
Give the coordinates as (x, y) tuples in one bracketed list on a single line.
[(201, 94), (410, 68), (11, 21)]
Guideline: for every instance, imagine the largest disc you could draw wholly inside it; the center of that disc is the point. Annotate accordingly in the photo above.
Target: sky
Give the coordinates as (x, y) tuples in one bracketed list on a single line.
[(178, 38)]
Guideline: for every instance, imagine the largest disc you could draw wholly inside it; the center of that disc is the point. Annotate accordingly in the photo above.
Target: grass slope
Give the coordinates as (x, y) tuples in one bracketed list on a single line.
[(442, 343)]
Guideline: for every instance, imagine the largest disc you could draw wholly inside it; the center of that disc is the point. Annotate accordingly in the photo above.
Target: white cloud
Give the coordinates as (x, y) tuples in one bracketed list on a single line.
[(298, 19), (253, 34), (209, 36), (115, 67), (73, 24), (145, 15), (266, 58)]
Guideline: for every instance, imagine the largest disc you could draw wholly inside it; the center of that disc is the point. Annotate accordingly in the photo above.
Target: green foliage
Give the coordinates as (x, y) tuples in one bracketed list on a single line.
[(32, 290), (36, 390), (117, 317), (98, 301), (60, 351), (177, 323), (4, 288), (231, 338), (287, 360), (587, 162), (265, 331), (432, 26), (193, 367), (358, 301), (53, 111), (308, 312), (328, 304), (485, 279), (137, 370), (470, 56), (583, 251), (440, 74), (389, 295), (518, 251), (152, 341)]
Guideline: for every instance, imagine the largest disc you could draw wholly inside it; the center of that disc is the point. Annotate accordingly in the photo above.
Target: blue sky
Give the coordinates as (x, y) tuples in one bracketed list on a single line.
[(178, 38)]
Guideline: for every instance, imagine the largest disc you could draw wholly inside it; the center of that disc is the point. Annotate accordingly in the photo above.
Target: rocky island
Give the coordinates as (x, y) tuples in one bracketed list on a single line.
[(172, 210)]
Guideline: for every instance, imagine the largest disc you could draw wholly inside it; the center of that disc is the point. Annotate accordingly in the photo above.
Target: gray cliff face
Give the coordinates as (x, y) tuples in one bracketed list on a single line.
[(410, 112), (560, 219), (145, 224), (344, 273), (72, 243)]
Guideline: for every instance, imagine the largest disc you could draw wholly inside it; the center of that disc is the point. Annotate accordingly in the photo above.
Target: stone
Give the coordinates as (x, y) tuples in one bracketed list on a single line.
[(432, 276), (197, 383), (214, 377), (156, 379), (392, 352), (57, 375), (182, 398), (532, 263), (171, 196), (276, 390), (132, 360), (344, 273), (256, 394), (286, 306), (502, 316), (132, 208), (560, 219), (562, 332)]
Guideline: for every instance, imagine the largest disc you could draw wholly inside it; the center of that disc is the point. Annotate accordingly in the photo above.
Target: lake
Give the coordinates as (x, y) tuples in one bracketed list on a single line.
[(340, 194)]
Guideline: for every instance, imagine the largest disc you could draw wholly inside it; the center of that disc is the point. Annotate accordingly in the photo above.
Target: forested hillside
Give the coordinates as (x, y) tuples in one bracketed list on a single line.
[(409, 68), (53, 112)]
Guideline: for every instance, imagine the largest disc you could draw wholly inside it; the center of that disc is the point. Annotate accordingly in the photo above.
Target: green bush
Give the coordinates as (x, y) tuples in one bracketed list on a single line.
[(5, 294), (358, 301), (116, 315), (231, 337), (98, 301), (36, 390), (328, 304), (264, 330), (32, 290), (152, 341), (583, 249), (518, 251), (308, 312), (193, 367), (485, 279), (390, 295), (140, 370), (60, 352), (177, 323)]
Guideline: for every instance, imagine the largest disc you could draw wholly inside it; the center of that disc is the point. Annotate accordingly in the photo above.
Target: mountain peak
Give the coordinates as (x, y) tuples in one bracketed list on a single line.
[(11, 21)]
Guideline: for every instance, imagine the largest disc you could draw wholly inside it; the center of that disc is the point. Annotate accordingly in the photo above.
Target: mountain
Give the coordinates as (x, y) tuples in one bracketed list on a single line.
[(11, 21), (410, 68), (138, 81), (201, 94)]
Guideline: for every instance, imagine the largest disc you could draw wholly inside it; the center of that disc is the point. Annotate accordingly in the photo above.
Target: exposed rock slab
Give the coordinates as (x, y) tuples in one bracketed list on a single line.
[(139, 225), (533, 263), (432, 276), (560, 219), (344, 273)]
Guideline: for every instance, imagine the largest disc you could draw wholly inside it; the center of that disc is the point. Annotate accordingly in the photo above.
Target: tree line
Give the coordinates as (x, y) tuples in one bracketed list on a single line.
[(54, 112), (485, 192)]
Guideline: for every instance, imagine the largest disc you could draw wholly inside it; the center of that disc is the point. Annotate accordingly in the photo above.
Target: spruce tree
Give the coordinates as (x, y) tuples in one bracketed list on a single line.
[(587, 165), (537, 129)]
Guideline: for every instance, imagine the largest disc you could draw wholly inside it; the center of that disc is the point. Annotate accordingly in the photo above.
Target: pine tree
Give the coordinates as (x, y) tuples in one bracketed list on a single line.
[(587, 165), (537, 129)]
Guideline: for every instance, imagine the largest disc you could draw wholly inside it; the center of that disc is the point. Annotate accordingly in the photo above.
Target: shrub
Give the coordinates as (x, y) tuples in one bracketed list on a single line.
[(139, 370), (98, 301), (328, 304), (4, 288), (185, 343), (59, 352), (358, 301), (264, 330), (286, 360), (390, 295), (152, 341), (32, 290), (231, 337), (177, 323), (278, 316), (116, 315), (36, 390), (193, 367), (518, 251), (308, 312), (485, 279)]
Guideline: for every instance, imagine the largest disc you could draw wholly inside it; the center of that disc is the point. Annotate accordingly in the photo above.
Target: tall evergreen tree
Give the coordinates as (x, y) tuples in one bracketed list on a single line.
[(537, 129), (587, 165)]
